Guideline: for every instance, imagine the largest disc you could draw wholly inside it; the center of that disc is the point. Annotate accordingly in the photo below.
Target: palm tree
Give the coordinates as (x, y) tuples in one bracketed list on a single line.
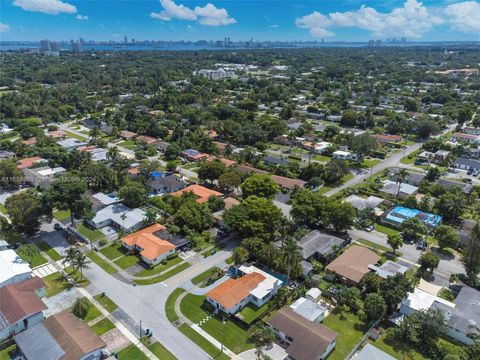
[(29, 251), (94, 134), (70, 256), (150, 217), (290, 255), (401, 176), (82, 262), (123, 217), (113, 153)]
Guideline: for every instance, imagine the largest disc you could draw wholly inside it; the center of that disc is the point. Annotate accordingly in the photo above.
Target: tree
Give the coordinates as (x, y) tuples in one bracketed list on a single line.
[(413, 228), (335, 170), (133, 194), (450, 205), (211, 170), (394, 289), (229, 181), (193, 216), (260, 185), (447, 237), (26, 211), (374, 308), (401, 176), (70, 256), (255, 216), (291, 256), (81, 262), (340, 215), (240, 255), (394, 241), (172, 152), (10, 176), (362, 145), (429, 262), (349, 118), (433, 174), (263, 335), (29, 251), (113, 153), (471, 255), (426, 127), (81, 308), (67, 193), (372, 282)]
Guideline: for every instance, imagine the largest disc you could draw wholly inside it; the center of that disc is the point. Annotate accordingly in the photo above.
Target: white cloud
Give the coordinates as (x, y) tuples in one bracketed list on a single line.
[(464, 16), (82, 17), (208, 15), (4, 27), (274, 26), (412, 20), (52, 7)]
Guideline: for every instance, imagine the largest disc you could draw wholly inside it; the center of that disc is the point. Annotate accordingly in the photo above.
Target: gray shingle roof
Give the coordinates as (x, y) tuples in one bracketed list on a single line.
[(317, 242)]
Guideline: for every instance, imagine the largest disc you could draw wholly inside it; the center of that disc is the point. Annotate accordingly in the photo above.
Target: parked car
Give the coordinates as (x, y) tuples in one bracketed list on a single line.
[(369, 228), (57, 226), (422, 245)]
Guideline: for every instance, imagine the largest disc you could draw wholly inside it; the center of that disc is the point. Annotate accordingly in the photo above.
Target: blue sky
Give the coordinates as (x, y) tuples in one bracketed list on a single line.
[(350, 20)]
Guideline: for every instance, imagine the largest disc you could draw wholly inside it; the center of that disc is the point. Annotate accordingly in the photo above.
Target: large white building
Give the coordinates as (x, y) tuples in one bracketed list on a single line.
[(12, 268)]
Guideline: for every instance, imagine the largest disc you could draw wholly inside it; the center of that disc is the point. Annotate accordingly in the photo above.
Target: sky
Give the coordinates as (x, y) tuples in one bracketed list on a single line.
[(287, 20)]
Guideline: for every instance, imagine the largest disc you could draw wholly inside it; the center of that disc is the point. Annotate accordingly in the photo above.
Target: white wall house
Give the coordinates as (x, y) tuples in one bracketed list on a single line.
[(344, 155), (12, 268)]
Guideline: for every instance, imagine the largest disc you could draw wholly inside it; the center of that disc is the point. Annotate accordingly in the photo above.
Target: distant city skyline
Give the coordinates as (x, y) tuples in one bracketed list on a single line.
[(273, 20)]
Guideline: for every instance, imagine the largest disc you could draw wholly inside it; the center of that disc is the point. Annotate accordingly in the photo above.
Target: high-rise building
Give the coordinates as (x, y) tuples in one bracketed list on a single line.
[(125, 39), (45, 45), (77, 47), (54, 46)]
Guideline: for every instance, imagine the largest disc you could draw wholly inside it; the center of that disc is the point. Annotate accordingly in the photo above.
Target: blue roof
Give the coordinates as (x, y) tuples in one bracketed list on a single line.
[(156, 174), (191, 152), (399, 214)]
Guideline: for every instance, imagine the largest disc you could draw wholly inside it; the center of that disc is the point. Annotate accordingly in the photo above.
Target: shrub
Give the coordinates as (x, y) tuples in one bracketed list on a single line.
[(81, 307)]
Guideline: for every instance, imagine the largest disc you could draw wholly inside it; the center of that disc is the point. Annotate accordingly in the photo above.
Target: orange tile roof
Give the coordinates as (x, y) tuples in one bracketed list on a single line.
[(232, 291), (134, 171), (152, 245), (201, 192), (26, 163), (30, 141), (225, 161), (56, 134)]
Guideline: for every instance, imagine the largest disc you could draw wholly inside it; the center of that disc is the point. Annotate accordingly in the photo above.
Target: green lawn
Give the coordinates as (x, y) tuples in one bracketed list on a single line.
[(92, 313), (61, 214), (56, 283), (386, 230), (410, 159), (132, 352), (91, 234), (35, 261), (321, 158), (3, 209), (165, 276), (5, 353), (54, 255), (113, 251), (102, 326), (159, 268), (102, 263), (130, 145), (229, 261), (251, 312), (368, 163), (350, 331), (159, 350), (234, 337), (377, 247), (127, 261), (170, 304), (205, 275), (73, 135), (106, 302), (198, 339)]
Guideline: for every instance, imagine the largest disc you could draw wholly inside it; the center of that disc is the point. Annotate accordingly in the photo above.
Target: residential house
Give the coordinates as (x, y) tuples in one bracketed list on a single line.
[(194, 155), (344, 155), (57, 134), (319, 245), (305, 340), (274, 161), (322, 147), (12, 268), (224, 161), (118, 216), (162, 146), (370, 352), (467, 138), (288, 183), (202, 193), (151, 247), (352, 265), (402, 189), (314, 294), (21, 306), (450, 184), (43, 176), (29, 162), (254, 286), (146, 139), (96, 154), (71, 143), (127, 135), (229, 203), (412, 178), (30, 141), (398, 214), (165, 184), (466, 230), (360, 203), (462, 316), (441, 156), (60, 337), (309, 309), (467, 164), (386, 139), (101, 200), (4, 155), (472, 130)]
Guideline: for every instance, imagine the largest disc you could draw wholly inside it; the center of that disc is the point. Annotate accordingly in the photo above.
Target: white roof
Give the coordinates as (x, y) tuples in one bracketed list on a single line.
[(322, 145), (314, 293), (391, 187), (342, 153), (116, 212), (106, 199), (266, 286), (11, 265), (421, 300), (51, 171), (308, 309)]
